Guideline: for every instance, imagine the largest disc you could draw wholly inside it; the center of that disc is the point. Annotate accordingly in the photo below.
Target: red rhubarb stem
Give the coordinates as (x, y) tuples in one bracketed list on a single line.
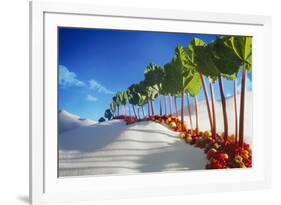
[(207, 99)]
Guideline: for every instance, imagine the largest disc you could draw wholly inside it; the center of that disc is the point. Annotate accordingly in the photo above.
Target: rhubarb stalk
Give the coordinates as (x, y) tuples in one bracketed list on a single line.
[(160, 102), (214, 129), (242, 107), (176, 106), (223, 108), (182, 111), (189, 113), (196, 114), (235, 111), (207, 99)]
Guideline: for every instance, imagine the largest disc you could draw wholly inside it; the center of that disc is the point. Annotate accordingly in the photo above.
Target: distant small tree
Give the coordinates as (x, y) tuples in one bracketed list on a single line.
[(101, 119), (108, 114)]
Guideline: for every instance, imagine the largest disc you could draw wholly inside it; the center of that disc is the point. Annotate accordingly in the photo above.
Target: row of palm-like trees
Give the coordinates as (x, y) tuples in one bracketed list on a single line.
[(185, 75)]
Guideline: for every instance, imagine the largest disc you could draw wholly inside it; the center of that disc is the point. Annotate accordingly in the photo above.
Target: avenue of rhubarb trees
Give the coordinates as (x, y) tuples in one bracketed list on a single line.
[(192, 68)]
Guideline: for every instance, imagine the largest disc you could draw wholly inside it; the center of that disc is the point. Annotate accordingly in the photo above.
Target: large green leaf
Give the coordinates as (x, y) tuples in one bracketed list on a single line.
[(142, 100), (180, 73), (225, 60), (138, 94), (170, 85), (123, 97), (150, 91), (183, 72), (190, 58), (242, 47), (230, 77), (197, 42), (154, 76), (190, 52), (141, 88), (202, 58), (194, 86), (131, 95)]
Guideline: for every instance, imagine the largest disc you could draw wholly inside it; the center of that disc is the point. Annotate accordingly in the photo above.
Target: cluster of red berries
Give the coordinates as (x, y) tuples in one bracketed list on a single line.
[(127, 119), (221, 153)]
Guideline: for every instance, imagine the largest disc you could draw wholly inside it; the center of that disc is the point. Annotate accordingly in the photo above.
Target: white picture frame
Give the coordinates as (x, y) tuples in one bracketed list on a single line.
[(46, 187)]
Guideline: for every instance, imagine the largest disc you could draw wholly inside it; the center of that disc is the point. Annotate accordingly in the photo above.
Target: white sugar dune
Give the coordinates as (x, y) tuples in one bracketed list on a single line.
[(115, 148), (69, 121), (112, 147)]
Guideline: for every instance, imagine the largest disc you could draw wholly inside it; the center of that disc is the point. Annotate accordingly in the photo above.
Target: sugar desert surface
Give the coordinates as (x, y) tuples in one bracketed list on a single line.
[(112, 147), (115, 148), (69, 121)]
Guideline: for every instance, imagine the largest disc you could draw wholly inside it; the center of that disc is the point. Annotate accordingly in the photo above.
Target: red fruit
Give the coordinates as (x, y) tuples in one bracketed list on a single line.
[(189, 140), (245, 155), (207, 134), (232, 149), (187, 131), (215, 164), (217, 146), (173, 125), (220, 156), (182, 135), (246, 146), (200, 133), (211, 153), (197, 141), (203, 142), (208, 147), (238, 159)]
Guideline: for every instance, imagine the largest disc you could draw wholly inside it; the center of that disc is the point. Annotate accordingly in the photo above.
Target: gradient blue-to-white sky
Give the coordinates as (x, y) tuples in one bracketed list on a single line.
[(94, 64)]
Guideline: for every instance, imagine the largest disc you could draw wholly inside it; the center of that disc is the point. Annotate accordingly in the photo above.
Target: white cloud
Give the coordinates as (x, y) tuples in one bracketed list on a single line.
[(91, 98), (68, 78), (227, 95), (94, 85)]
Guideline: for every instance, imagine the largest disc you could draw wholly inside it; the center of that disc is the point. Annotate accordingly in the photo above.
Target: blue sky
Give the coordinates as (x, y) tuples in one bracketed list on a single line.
[(95, 64)]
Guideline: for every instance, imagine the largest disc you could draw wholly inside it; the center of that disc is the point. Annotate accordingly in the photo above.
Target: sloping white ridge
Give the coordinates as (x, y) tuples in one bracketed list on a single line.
[(116, 148), (69, 121)]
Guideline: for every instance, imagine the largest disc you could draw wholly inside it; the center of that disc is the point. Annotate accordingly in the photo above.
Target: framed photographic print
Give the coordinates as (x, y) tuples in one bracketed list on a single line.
[(129, 102)]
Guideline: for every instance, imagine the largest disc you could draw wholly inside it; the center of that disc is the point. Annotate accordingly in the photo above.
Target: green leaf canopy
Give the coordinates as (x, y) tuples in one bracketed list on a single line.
[(132, 94), (123, 97), (202, 58), (224, 58), (150, 91), (242, 47), (194, 86), (120, 98), (141, 99), (116, 99), (215, 59), (169, 87), (178, 72), (154, 76), (139, 94)]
